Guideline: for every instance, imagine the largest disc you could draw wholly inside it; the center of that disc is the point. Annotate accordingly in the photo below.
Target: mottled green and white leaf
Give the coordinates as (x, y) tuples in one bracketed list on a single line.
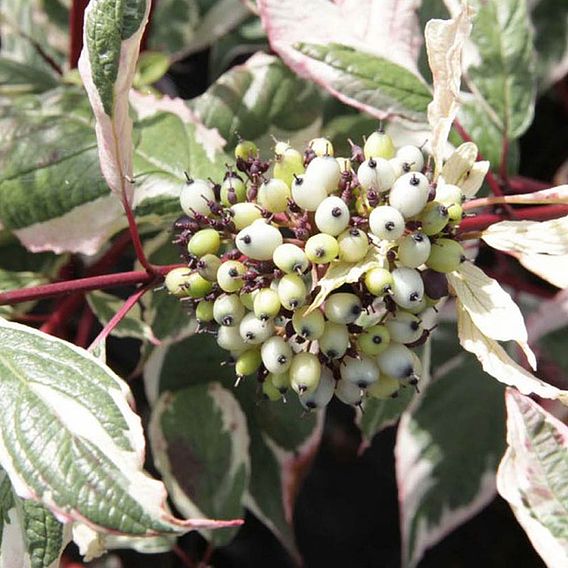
[(17, 280)]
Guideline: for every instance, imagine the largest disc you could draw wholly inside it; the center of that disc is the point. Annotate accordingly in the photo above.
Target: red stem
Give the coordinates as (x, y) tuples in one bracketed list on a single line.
[(85, 326), (60, 317), (185, 559), (135, 236), (76, 15), (521, 184)]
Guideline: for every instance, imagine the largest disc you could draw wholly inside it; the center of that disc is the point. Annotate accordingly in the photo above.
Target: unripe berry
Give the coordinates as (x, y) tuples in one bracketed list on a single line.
[(397, 166), (269, 390), (247, 362), (266, 304), (280, 381), (246, 149), (409, 194), (448, 194), (206, 241), (334, 341), (204, 311), (208, 266), (342, 308), (308, 193), (349, 393), (194, 196), (379, 145), (273, 195), (255, 331), (418, 306), (397, 361), (377, 174), (361, 372), (197, 286), (323, 171), (259, 241), (386, 223), (289, 163), (404, 327), (384, 388), (323, 394), (229, 275), (177, 281), (411, 158), (344, 164), (446, 255), (292, 291), (229, 338), (276, 355), (321, 147), (353, 245), (332, 216), (455, 212), (407, 288), (247, 299), (309, 326), (433, 218), (374, 340), (228, 310), (305, 372), (413, 250), (233, 190), (244, 214), (378, 281), (290, 258), (322, 248)]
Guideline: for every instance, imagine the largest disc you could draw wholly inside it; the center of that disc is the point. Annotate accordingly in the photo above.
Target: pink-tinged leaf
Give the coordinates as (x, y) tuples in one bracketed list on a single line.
[(497, 363), (533, 476), (387, 29), (111, 40), (148, 105), (444, 43)]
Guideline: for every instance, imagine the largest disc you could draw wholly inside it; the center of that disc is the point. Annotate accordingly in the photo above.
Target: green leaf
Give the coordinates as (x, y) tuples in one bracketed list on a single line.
[(70, 440), (251, 98), (533, 475), (448, 447), (20, 78), (17, 280), (151, 67), (200, 445), (504, 77), (372, 81)]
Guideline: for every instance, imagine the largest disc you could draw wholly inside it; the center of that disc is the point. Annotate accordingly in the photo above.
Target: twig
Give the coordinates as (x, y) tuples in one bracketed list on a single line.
[(135, 236), (76, 15)]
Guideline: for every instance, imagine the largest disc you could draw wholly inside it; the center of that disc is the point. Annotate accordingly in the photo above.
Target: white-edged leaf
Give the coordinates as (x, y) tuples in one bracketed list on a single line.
[(70, 440), (17, 280), (111, 38), (553, 269), (533, 476), (449, 443), (444, 44), (497, 363), (492, 310)]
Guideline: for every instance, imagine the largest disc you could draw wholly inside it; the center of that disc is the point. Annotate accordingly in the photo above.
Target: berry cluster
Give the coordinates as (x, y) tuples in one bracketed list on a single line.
[(259, 244)]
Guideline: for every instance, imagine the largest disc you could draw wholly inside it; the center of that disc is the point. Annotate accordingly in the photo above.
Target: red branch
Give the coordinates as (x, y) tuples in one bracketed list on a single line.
[(76, 15)]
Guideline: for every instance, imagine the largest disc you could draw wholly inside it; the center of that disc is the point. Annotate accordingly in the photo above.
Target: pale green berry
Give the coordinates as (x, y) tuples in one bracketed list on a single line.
[(448, 194), (289, 163), (204, 311), (197, 286), (177, 280), (269, 390), (247, 299), (414, 250), (379, 145), (310, 326), (419, 306), (361, 372), (321, 147), (411, 157), (378, 281), (248, 362), (273, 195), (434, 217), (344, 164), (404, 327), (259, 240), (276, 354), (233, 190), (428, 317), (455, 212), (307, 193), (292, 291), (255, 331), (266, 304), (228, 310), (229, 338), (229, 275), (409, 194), (246, 149), (281, 381), (332, 216), (353, 245), (407, 287), (387, 223), (397, 361), (205, 241), (342, 307), (349, 393), (322, 248), (377, 174), (386, 387), (446, 255), (397, 167), (323, 394), (290, 258), (244, 214), (305, 372), (323, 171), (374, 340), (208, 266), (194, 196), (334, 341)]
